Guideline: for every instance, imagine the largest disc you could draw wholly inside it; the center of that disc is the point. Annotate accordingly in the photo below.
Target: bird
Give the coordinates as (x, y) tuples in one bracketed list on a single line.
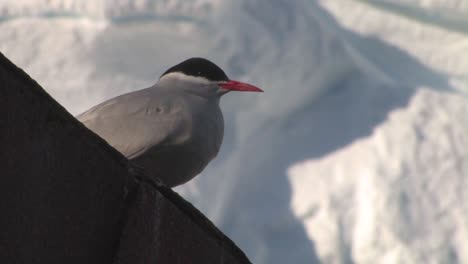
[(173, 129)]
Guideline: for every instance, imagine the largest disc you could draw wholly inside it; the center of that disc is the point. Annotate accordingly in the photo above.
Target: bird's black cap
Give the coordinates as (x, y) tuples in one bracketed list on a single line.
[(199, 67)]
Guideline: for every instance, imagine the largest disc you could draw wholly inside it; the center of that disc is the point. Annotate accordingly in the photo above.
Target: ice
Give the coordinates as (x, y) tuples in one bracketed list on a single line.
[(357, 152), (408, 209)]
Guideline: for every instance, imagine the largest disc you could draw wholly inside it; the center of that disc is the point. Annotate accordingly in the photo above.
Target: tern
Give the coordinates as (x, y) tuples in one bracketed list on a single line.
[(173, 129)]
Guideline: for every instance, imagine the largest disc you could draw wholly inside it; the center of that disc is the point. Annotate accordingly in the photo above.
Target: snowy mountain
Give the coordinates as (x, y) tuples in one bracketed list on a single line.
[(357, 152)]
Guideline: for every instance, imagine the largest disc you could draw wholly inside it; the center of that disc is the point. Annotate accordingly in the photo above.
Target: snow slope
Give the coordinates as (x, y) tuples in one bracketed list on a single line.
[(356, 153)]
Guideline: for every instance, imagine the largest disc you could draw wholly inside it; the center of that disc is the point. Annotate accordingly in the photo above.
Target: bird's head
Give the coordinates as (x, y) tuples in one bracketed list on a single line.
[(202, 75)]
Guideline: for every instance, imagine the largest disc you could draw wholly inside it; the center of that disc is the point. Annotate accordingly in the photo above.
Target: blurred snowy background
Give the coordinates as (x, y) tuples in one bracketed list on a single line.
[(357, 152)]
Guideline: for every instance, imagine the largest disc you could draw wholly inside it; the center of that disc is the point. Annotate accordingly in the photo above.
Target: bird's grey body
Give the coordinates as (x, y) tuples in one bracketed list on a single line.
[(171, 130), (178, 133)]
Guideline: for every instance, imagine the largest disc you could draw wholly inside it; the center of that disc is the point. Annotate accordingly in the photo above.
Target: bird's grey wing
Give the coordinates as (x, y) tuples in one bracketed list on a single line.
[(135, 122)]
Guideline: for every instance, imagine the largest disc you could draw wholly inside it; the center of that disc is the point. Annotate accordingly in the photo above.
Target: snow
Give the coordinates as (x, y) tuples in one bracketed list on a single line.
[(357, 152), (409, 209)]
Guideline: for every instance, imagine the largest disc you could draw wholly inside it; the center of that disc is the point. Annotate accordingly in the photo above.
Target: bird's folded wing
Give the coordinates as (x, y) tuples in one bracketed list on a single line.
[(134, 122)]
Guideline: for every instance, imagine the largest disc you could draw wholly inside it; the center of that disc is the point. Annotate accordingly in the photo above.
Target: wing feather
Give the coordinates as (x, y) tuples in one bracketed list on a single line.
[(135, 122)]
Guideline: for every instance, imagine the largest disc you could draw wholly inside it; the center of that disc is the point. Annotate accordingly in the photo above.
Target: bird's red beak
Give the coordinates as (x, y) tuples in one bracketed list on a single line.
[(232, 85)]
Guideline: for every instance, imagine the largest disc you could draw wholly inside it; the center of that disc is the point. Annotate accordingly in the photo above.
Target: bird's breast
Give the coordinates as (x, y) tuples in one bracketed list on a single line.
[(207, 129), (195, 143)]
